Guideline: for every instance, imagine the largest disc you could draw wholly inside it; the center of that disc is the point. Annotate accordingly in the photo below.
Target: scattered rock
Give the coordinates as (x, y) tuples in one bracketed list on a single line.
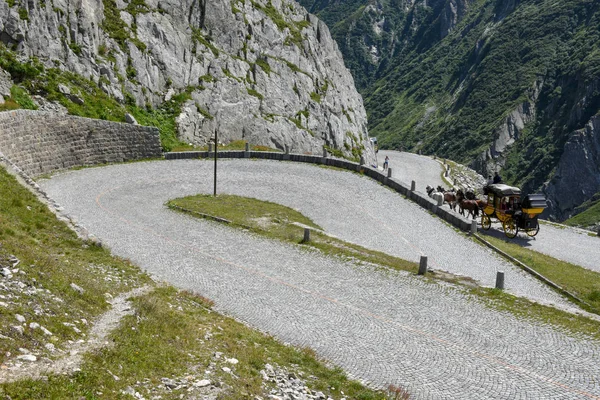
[(130, 119), (20, 318), (18, 329), (64, 89), (77, 288), (27, 357)]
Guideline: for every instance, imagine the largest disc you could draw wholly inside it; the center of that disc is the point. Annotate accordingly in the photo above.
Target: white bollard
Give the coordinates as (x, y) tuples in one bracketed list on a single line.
[(473, 227)]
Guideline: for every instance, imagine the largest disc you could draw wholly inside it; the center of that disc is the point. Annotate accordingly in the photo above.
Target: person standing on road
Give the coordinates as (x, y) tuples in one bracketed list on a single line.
[(386, 163)]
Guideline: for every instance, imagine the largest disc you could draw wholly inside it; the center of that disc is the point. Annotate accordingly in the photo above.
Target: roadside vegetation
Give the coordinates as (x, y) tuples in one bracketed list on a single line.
[(588, 214), (282, 223), (579, 281), (53, 280)]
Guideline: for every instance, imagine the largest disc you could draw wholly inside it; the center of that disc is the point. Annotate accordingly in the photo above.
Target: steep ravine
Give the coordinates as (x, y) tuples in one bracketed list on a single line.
[(264, 71)]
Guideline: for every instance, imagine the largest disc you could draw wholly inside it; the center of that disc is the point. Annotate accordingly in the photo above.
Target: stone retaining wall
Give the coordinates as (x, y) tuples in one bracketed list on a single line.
[(39, 143), (422, 199)]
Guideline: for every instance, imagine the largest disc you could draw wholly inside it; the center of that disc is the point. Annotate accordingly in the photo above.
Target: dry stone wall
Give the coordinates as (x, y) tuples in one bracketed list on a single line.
[(39, 143)]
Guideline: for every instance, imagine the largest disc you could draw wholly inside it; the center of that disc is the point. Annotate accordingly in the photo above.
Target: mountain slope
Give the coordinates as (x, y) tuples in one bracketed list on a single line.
[(263, 71), (500, 85)]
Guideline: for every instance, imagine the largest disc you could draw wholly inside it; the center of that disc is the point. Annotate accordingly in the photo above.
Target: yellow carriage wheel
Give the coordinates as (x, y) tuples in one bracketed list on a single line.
[(534, 231), (510, 228), (486, 222)]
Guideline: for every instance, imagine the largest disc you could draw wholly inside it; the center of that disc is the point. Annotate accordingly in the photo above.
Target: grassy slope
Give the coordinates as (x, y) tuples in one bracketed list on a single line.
[(166, 336), (588, 213)]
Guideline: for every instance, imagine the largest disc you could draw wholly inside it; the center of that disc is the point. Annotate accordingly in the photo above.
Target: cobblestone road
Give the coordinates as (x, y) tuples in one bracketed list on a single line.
[(408, 167), (382, 327)]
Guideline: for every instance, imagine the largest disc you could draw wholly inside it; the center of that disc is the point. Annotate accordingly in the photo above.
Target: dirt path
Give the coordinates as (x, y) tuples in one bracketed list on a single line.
[(70, 363)]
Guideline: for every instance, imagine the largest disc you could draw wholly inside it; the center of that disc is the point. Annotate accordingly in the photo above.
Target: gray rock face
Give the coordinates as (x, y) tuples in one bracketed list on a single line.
[(5, 85), (453, 12), (493, 159), (265, 71), (577, 176)]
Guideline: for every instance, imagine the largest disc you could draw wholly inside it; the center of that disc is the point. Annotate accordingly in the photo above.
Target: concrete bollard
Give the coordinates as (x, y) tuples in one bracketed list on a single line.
[(423, 265), (389, 173), (444, 161), (500, 280), (210, 147), (362, 160), (473, 227), (247, 146), (440, 201), (306, 235), (413, 185), (287, 149), (324, 152)]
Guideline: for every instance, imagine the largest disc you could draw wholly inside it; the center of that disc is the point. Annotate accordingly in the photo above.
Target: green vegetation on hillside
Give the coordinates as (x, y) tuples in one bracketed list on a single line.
[(587, 214), (95, 103), (448, 95)]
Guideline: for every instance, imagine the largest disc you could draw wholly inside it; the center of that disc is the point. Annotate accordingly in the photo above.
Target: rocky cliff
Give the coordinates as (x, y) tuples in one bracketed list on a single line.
[(577, 176), (265, 71)]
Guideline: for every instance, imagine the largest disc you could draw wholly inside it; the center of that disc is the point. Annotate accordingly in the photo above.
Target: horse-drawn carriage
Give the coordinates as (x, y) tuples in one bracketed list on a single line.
[(505, 204)]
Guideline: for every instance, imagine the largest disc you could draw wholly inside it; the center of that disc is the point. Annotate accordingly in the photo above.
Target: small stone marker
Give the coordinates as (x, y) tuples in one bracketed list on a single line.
[(247, 146), (324, 152), (362, 160), (500, 280), (413, 185), (440, 201), (306, 235), (423, 265), (287, 149), (389, 173), (473, 227), (210, 147)]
